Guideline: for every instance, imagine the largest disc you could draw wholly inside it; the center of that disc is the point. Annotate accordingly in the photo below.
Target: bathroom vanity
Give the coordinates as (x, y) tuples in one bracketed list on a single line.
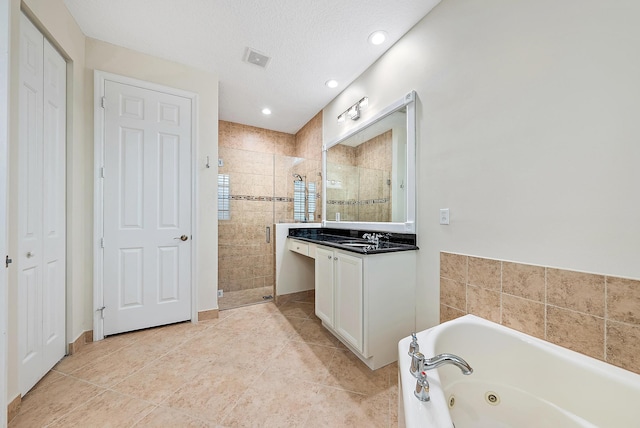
[(362, 260), (364, 287)]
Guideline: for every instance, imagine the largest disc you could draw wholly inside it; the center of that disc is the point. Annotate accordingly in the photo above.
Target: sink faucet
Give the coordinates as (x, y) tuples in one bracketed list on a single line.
[(442, 359), (374, 238)]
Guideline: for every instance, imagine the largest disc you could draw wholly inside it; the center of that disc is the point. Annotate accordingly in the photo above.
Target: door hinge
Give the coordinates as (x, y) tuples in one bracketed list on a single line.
[(102, 311), (101, 172), (101, 242), (103, 101), (7, 261)]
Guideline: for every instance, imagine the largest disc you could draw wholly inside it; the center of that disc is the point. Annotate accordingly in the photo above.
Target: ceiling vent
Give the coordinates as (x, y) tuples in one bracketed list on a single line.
[(252, 56)]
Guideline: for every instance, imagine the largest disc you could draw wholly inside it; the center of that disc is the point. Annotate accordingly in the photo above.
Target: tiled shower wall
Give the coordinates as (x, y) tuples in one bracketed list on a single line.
[(375, 159), (597, 315), (362, 175), (259, 163)]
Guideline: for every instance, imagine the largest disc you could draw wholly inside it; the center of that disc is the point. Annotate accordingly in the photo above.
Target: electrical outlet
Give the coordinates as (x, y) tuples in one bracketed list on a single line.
[(444, 216), (220, 293)]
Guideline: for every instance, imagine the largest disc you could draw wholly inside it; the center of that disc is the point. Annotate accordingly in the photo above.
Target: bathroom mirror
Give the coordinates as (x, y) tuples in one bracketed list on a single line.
[(369, 173)]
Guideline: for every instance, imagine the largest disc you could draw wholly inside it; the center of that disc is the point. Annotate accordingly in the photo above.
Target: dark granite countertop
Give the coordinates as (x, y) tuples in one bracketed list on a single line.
[(355, 240)]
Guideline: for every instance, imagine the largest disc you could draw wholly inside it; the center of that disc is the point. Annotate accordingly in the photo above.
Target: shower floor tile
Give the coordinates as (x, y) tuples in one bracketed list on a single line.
[(235, 299)]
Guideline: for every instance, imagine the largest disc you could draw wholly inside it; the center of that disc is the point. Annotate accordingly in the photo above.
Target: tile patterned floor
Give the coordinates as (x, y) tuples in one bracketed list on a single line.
[(255, 366)]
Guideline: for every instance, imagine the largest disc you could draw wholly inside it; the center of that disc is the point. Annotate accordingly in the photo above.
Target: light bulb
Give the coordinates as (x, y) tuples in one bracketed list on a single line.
[(378, 37), (331, 83)]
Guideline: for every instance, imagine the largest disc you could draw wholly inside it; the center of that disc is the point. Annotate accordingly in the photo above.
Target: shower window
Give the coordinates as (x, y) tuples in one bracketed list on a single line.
[(299, 213), (304, 201), (224, 212), (312, 202)]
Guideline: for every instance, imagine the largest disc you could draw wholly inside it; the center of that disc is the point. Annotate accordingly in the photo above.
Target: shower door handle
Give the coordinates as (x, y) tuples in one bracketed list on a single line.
[(268, 235)]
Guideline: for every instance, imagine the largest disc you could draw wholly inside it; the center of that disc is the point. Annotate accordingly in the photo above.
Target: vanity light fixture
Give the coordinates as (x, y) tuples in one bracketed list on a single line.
[(353, 112)]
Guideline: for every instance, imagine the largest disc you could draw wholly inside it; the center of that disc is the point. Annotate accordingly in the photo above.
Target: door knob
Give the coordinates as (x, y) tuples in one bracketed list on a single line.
[(182, 238), (30, 254)]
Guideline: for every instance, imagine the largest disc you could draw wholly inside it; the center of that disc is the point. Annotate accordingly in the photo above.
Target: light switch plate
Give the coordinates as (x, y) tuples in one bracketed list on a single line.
[(444, 216)]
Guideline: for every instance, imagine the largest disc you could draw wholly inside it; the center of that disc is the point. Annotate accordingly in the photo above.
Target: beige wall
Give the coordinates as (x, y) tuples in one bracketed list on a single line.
[(83, 55), (526, 130), (309, 139)]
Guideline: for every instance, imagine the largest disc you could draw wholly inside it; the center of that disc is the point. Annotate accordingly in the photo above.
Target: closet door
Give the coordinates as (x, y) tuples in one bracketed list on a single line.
[(41, 220)]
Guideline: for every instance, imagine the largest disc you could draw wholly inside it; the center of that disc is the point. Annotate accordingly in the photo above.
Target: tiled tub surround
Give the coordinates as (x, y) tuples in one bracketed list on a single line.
[(597, 315), (336, 237)]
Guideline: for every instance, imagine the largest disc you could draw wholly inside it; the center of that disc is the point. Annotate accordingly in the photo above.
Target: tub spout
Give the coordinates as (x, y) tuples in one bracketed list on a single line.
[(442, 359)]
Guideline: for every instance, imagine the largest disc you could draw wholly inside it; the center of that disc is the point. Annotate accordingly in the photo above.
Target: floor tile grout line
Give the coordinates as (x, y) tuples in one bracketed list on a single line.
[(88, 362), (73, 409), (232, 408), (155, 406), (182, 412), (121, 380)]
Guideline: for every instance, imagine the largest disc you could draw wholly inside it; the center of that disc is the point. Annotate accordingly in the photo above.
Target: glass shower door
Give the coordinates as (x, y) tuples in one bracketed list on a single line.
[(246, 267)]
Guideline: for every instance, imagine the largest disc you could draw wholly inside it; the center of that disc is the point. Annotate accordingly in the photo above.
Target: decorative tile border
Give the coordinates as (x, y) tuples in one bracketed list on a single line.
[(354, 202), (260, 198)]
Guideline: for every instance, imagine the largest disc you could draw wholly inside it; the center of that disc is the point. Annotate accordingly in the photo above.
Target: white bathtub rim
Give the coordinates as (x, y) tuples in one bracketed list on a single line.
[(435, 413)]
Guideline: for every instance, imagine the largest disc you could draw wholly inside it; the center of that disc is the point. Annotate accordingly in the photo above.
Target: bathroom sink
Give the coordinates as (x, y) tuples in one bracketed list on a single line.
[(356, 244)]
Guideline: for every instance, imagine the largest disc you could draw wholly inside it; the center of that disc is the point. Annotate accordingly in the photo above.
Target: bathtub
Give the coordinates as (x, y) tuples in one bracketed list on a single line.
[(517, 381)]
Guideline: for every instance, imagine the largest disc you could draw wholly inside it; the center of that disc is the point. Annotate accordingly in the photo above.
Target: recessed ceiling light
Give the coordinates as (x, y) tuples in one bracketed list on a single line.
[(331, 83), (266, 111), (378, 37)]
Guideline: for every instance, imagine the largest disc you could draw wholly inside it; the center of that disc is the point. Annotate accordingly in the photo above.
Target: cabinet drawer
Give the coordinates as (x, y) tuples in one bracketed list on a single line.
[(299, 247)]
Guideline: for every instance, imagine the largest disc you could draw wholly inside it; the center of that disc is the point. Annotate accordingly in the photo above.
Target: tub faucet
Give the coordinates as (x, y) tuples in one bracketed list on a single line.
[(417, 364), (442, 359)]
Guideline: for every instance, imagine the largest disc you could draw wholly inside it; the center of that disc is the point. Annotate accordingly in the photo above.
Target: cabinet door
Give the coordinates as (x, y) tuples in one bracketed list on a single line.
[(324, 285), (349, 299)]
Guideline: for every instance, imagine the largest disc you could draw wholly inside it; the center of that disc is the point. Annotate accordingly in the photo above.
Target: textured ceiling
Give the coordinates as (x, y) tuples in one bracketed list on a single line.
[(309, 42)]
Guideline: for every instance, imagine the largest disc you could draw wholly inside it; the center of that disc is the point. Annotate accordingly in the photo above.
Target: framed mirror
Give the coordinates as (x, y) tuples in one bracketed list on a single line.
[(369, 172)]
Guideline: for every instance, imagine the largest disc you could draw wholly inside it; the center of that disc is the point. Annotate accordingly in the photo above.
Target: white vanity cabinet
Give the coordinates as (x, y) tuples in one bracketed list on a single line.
[(365, 300), (339, 294)]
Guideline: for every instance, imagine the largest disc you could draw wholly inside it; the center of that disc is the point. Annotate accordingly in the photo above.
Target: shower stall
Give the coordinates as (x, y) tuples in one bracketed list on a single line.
[(255, 191)]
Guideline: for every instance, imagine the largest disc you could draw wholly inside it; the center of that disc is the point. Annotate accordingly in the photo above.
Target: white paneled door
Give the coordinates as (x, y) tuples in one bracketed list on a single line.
[(146, 208), (41, 206), (4, 132)]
